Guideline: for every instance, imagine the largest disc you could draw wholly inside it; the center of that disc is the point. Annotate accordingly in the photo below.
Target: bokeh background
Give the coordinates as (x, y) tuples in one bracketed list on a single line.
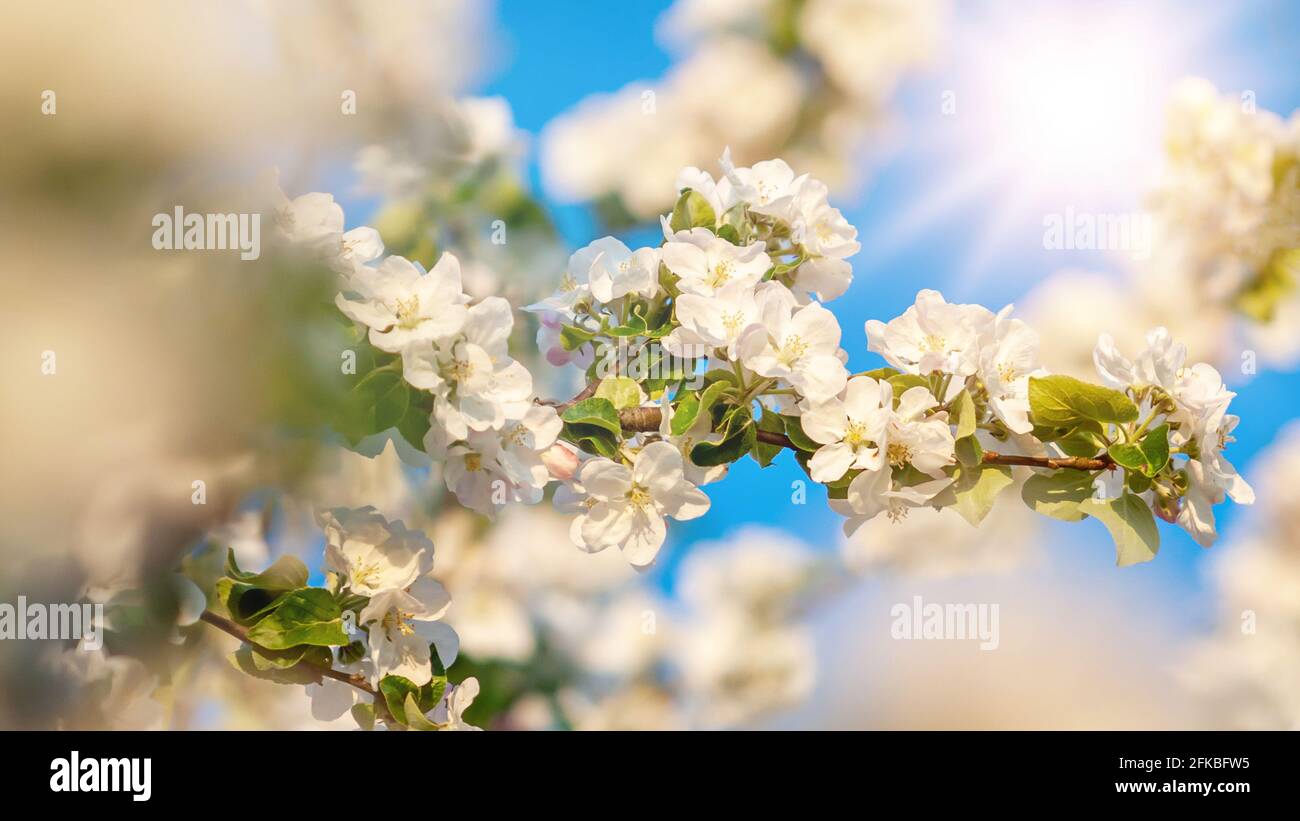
[(949, 130)]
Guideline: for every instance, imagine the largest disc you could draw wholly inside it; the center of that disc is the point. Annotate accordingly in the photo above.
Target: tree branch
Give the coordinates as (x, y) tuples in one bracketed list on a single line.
[(648, 419), (226, 625)]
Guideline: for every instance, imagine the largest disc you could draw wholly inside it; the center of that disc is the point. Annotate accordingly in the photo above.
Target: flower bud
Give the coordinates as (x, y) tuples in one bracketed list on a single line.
[(561, 459)]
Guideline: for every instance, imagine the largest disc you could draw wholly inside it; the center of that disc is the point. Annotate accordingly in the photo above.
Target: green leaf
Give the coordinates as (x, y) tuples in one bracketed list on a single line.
[(376, 403), (1131, 525), (1148, 457), (598, 412), (1155, 447), (572, 337), (621, 392), (593, 439), (415, 717), (1086, 440), (764, 453), (715, 392), (1129, 457), (364, 715), (1058, 494), (286, 573), (794, 430), (707, 454), (395, 689), (880, 373), (734, 417), (904, 382), (969, 451), (735, 226), (635, 326), (245, 660), (963, 415), (400, 693), (309, 615), (976, 489), (243, 602), (685, 412), (692, 211), (1063, 401)]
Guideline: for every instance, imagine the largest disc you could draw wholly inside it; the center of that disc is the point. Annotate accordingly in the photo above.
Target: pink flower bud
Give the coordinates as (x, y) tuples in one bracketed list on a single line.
[(561, 459)]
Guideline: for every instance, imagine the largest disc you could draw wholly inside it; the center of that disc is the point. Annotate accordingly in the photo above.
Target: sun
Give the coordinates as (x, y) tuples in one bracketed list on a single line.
[(1049, 108)]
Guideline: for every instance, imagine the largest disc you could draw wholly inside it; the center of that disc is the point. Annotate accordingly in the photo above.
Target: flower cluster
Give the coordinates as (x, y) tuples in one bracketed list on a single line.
[(482, 414), (1230, 197), (716, 345), (1192, 402), (372, 634), (729, 298)]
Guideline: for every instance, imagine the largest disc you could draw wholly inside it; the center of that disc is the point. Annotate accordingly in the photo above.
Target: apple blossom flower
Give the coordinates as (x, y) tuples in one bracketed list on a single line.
[(705, 262), (404, 306), (1006, 361), (873, 492), (450, 712), (932, 335), (1158, 365), (475, 384), (403, 624), (912, 438), (769, 187), (613, 270), (1213, 435), (819, 226), (360, 246), (370, 554), (800, 346), (489, 469), (851, 429), (1196, 507), (631, 502), (313, 221), (823, 278), (574, 290), (719, 194), (716, 321)]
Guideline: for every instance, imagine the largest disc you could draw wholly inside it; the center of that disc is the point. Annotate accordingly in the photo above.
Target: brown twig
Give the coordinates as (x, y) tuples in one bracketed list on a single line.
[(648, 419), (226, 625)]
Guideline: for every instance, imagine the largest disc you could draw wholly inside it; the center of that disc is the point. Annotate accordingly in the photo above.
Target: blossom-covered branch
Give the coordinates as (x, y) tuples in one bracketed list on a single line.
[(649, 420), (716, 345)]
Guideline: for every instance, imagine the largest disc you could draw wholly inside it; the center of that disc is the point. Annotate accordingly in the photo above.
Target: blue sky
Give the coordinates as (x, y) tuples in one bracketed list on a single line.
[(987, 245)]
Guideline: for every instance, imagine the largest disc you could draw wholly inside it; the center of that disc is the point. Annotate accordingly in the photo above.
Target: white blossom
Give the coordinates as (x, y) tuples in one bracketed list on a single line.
[(800, 346), (475, 384), (613, 270), (1006, 362), (402, 626), (769, 187), (851, 429), (403, 306), (932, 335), (370, 554), (631, 502), (705, 262)]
